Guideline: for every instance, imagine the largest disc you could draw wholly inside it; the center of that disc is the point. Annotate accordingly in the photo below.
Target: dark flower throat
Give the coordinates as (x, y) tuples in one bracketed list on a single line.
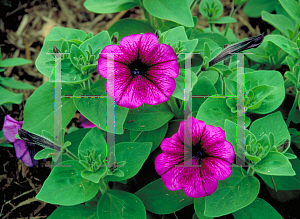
[(138, 68), (198, 152)]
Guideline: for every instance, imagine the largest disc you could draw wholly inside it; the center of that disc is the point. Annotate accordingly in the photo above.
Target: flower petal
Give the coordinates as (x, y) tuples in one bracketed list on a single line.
[(166, 166), (172, 145), (223, 150), (193, 129), (216, 167), (10, 128), (211, 135), (22, 152), (197, 183), (85, 123), (161, 54)]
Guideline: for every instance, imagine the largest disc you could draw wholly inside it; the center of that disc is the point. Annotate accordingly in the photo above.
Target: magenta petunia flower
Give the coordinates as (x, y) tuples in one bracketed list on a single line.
[(139, 70), (85, 123), (24, 150), (206, 148)]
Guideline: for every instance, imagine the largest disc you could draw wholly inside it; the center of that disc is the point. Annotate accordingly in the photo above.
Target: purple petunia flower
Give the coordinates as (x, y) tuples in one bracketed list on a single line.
[(24, 150), (143, 71), (206, 148)]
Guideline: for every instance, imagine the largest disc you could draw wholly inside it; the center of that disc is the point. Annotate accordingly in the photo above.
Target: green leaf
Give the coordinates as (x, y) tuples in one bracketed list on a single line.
[(214, 111), (180, 84), (272, 123), (253, 8), (14, 62), (99, 41), (291, 77), (69, 73), (285, 182), (155, 136), (216, 12), (65, 186), (43, 154), (260, 92), (204, 86), (107, 6), (292, 8), (275, 164), (58, 33), (121, 205), (135, 154), (232, 194), (290, 63), (168, 10), (9, 97), (159, 200), (11, 83), (211, 75), (93, 108), (39, 111), (271, 78), (230, 133), (76, 53), (280, 22), (94, 176), (285, 44), (223, 20), (199, 206), (148, 117), (94, 140), (231, 87), (126, 27), (259, 209), (217, 38), (73, 212)]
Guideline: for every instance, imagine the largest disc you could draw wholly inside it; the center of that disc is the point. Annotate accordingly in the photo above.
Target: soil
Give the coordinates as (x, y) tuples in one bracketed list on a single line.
[(23, 27)]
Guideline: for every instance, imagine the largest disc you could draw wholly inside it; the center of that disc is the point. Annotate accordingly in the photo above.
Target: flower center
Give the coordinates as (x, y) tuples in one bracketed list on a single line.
[(138, 68), (198, 152)]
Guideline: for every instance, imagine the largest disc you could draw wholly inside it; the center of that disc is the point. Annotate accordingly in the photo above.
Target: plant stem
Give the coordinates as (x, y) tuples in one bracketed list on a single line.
[(250, 171), (103, 186), (232, 13), (291, 114), (211, 27), (159, 22), (71, 155), (297, 29), (147, 15), (174, 107), (193, 4)]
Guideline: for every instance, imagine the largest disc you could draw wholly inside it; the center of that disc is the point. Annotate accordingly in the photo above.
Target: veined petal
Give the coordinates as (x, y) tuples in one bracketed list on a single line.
[(10, 128), (218, 168), (211, 135), (22, 152), (130, 46), (109, 59), (170, 69), (198, 183), (193, 129), (157, 89), (223, 150), (161, 54), (166, 165), (127, 90), (172, 145)]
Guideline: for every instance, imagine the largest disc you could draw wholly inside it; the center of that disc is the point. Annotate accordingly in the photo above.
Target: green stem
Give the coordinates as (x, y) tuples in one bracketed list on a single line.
[(250, 171), (193, 4), (232, 13), (103, 186), (292, 112), (174, 107), (159, 22), (71, 155), (282, 57), (297, 29), (147, 15), (211, 27)]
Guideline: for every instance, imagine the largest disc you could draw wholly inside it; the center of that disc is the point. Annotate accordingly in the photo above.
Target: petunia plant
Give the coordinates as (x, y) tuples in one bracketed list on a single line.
[(179, 116)]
